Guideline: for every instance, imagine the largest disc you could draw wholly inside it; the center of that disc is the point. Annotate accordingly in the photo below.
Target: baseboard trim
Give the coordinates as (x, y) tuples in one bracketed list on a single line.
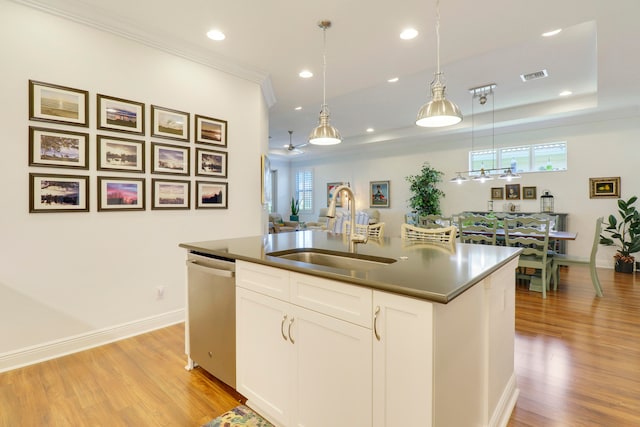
[(73, 344), (504, 408)]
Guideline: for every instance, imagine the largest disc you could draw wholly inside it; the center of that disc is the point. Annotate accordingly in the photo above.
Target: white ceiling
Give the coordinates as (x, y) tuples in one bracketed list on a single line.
[(597, 56)]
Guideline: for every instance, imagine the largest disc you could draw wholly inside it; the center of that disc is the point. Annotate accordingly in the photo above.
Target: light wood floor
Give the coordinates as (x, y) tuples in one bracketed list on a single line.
[(577, 364)]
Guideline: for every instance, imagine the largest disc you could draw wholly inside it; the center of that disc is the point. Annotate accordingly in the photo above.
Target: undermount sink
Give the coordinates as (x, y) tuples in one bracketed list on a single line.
[(335, 259)]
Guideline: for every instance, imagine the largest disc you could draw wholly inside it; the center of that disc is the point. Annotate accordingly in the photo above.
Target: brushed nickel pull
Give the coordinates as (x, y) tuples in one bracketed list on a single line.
[(375, 323), (284, 319), (290, 337)]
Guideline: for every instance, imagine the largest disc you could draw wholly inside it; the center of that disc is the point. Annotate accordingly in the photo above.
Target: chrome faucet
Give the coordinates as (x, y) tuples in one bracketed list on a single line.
[(331, 213)]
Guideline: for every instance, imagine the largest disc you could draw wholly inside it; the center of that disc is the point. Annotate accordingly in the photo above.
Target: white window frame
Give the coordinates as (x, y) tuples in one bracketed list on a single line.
[(497, 159), (303, 189)]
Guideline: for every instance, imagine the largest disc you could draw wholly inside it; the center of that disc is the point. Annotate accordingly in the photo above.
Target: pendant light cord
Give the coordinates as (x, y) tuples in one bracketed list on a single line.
[(324, 67), (438, 38)]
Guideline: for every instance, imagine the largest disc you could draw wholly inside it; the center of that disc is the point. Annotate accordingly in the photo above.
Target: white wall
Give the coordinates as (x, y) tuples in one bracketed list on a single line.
[(65, 275), (603, 148)]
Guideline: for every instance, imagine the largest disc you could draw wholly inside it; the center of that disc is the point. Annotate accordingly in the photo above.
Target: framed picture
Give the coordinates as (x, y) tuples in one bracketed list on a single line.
[(120, 194), (170, 124), (170, 194), (497, 193), (529, 193), (604, 187), (379, 194), (266, 179), (512, 191), (120, 154), (169, 159), (211, 163), (211, 195), (58, 193), (330, 187), (211, 131), (120, 115), (58, 104), (58, 148)]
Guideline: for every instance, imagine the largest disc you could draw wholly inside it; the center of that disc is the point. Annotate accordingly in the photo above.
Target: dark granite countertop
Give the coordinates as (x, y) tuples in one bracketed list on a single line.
[(423, 270)]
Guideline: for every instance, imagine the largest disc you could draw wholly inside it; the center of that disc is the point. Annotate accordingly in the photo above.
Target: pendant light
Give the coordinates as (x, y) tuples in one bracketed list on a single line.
[(439, 111), (324, 133)]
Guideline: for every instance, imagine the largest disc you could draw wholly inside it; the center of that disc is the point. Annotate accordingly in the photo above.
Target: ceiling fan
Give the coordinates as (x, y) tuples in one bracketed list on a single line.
[(293, 149)]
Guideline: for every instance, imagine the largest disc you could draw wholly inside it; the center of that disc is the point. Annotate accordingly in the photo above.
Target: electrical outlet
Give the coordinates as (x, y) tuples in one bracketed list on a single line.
[(160, 292)]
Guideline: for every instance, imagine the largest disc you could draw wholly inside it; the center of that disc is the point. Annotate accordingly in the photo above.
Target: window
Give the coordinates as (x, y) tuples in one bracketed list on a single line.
[(303, 190), (526, 158), (273, 203)]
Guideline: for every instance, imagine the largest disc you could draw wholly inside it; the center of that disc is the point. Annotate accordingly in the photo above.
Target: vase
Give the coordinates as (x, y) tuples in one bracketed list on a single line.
[(623, 266), (293, 217)]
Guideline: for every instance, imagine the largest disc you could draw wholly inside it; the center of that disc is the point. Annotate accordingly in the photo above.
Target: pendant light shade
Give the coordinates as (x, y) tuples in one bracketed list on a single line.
[(324, 133), (439, 111)]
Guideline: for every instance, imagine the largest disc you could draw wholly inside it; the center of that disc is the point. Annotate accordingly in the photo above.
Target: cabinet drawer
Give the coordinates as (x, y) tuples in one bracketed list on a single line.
[(266, 280), (337, 299)]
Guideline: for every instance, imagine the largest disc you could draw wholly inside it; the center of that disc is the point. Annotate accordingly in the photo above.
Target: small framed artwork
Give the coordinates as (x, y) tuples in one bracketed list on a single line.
[(170, 124), (211, 195), (120, 115), (58, 193), (512, 191), (121, 154), (497, 193), (58, 148), (120, 194), (330, 187), (211, 131), (529, 193), (266, 179), (604, 187), (169, 159), (170, 194), (58, 104), (379, 194), (211, 163)]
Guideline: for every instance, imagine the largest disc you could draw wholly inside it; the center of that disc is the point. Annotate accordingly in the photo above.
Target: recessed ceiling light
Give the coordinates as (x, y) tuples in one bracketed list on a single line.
[(565, 93), (408, 34), (551, 33), (216, 35), (370, 130), (393, 80), (298, 108), (305, 74)]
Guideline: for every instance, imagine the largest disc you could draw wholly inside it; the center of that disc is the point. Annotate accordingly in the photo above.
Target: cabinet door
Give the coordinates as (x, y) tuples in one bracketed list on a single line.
[(402, 360), (264, 354), (332, 379)]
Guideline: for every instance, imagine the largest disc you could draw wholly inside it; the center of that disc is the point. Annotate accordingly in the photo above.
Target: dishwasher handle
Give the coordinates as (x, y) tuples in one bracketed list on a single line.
[(192, 263)]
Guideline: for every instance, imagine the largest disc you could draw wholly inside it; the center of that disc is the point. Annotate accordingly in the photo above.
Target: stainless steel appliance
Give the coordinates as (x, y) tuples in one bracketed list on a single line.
[(212, 315)]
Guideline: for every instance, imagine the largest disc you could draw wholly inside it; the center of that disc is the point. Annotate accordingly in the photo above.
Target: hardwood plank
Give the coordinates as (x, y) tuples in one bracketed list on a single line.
[(577, 361)]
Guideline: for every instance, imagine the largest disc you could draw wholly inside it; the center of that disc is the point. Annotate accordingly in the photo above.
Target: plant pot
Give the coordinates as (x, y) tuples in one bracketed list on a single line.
[(293, 217), (624, 266)]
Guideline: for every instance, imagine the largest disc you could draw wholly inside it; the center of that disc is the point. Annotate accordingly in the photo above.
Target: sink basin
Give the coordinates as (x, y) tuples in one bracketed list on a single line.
[(344, 260)]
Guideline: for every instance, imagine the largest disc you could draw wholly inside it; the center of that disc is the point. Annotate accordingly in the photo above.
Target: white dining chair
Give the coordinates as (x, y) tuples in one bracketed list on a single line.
[(442, 235), (478, 229)]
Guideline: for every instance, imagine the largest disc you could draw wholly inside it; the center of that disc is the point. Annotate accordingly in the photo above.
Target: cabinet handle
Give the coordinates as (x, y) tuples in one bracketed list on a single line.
[(375, 323), (290, 337), (284, 319)]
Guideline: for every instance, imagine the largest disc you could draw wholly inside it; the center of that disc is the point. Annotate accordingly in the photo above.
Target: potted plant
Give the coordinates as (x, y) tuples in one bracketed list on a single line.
[(295, 209), (624, 233), (425, 196)]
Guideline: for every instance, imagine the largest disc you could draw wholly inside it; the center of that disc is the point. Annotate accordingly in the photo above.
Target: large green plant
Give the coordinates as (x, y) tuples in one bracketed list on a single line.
[(295, 206), (425, 196), (624, 232)]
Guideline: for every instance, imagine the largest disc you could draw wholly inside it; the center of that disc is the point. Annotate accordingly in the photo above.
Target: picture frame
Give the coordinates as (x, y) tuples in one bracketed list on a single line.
[(58, 193), (497, 193), (211, 163), (211, 195), (170, 159), (265, 165), (120, 154), (121, 115), (379, 194), (608, 187), (170, 194), (529, 193), (210, 131), (170, 124), (58, 104), (121, 194), (58, 148), (512, 191), (330, 187)]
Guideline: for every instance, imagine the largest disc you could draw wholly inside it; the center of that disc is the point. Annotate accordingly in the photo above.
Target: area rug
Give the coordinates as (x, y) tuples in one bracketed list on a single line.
[(240, 416)]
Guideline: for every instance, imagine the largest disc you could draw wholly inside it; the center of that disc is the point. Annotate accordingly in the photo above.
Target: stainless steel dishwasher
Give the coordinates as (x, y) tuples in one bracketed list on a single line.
[(212, 315)]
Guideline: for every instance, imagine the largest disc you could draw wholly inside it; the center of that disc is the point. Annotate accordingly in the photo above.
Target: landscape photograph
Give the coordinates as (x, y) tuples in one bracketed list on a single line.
[(117, 154), (120, 114), (171, 194), (59, 193), (60, 149), (122, 193), (170, 123), (59, 104), (171, 159)]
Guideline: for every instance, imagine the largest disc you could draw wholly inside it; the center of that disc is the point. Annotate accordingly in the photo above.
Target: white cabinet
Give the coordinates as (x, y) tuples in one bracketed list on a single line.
[(298, 365)]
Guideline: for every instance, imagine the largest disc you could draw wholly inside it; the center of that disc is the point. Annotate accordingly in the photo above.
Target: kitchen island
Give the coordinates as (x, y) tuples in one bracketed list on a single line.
[(425, 338)]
